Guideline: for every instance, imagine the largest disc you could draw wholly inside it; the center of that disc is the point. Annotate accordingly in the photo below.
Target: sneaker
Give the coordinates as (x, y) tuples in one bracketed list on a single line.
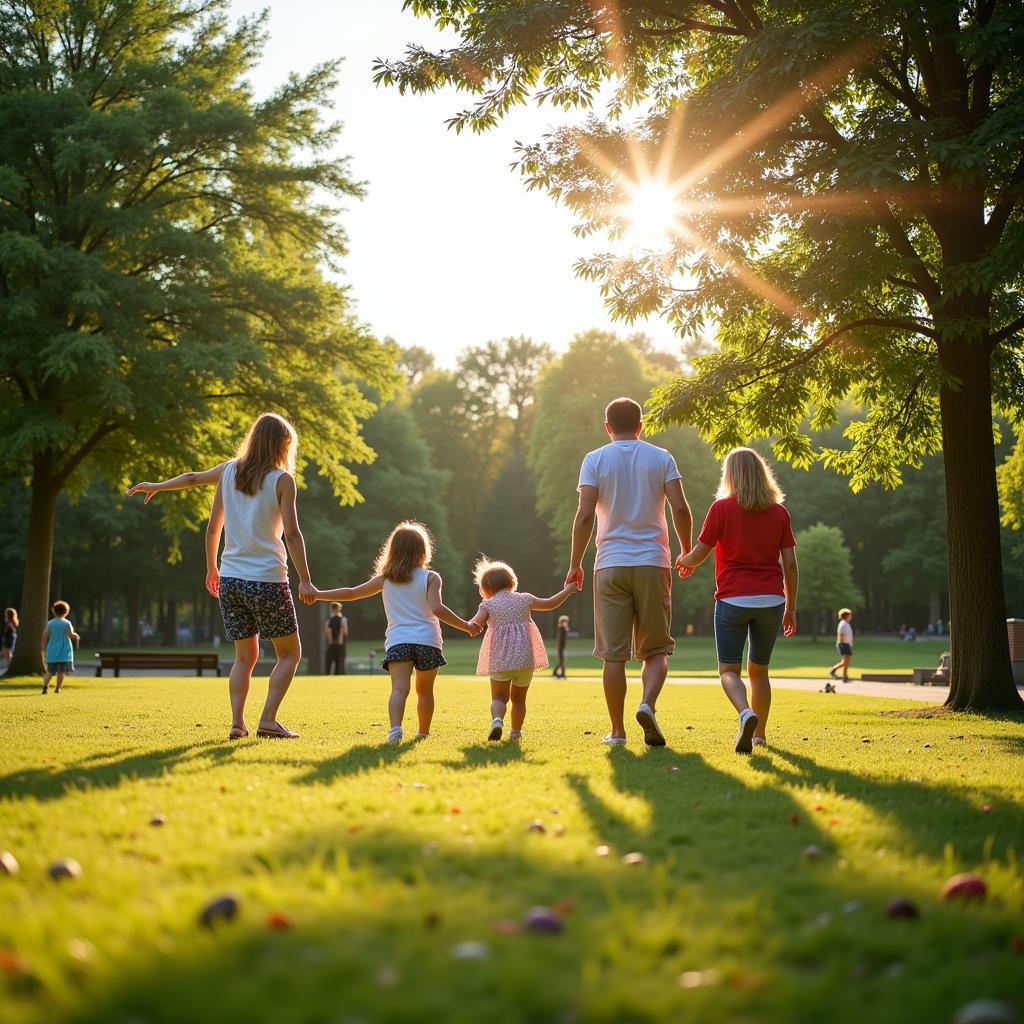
[(748, 723), (614, 741), (395, 735), (419, 736), (653, 736), (45, 689), (759, 741), (515, 734), (496, 726), (832, 673)]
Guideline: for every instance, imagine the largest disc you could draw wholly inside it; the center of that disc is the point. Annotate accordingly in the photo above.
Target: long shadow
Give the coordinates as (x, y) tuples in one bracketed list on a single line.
[(924, 813), (356, 760), (49, 784), (477, 755)]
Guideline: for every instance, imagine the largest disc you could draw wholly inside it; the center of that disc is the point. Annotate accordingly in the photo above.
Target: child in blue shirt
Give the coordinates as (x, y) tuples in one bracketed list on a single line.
[(58, 652)]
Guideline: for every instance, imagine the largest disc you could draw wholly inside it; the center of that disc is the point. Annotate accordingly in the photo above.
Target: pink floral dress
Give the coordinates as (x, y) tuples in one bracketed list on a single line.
[(512, 640)]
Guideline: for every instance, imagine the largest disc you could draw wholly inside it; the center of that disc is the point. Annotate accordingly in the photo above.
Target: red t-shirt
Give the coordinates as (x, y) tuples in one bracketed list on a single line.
[(747, 548)]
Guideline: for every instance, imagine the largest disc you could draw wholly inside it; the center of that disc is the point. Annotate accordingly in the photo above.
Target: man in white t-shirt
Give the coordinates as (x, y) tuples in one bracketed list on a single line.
[(624, 486)]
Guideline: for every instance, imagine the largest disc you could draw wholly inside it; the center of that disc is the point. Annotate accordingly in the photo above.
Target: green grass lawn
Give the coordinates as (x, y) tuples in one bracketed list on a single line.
[(386, 859)]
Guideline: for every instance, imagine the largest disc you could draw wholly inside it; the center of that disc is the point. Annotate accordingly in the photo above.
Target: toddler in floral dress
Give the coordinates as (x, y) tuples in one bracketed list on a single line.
[(512, 647)]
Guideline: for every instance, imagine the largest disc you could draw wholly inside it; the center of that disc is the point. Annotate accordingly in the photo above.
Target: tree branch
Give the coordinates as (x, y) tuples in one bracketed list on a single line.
[(73, 463), (1007, 202), (1005, 332)]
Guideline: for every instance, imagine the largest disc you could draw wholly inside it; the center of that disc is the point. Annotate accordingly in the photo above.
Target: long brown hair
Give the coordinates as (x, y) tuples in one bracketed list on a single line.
[(750, 480), (11, 615), (409, 546), (270, 444)]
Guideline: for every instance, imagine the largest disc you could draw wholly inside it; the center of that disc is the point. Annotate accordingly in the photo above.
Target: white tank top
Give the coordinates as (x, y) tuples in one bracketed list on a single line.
[(410, 620), (253, 528)]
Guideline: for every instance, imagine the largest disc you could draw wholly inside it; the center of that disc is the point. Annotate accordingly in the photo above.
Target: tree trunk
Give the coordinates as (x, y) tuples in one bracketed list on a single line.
[(35, 593), (170, 623), (981, 676)]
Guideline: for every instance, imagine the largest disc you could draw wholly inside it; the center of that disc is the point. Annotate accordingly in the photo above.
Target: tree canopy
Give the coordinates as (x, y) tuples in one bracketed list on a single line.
[(844, 186)]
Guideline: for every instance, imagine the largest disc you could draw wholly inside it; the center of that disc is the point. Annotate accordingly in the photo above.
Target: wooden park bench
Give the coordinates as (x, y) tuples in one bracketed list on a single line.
[(887, 677), (118, 660)]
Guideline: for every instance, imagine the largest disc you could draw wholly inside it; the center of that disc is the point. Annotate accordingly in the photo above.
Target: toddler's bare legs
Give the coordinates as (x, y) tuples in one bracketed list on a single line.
[(60, 682), (499, 698), (424, 699), (518, 707)]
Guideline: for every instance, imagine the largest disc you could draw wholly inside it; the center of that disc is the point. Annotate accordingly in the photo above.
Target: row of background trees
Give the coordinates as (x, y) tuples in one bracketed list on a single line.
[(487, 455)]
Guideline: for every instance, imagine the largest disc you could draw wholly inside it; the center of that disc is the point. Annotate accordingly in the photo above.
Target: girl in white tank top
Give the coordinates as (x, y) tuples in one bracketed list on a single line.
[(415, 611), (255, 507)]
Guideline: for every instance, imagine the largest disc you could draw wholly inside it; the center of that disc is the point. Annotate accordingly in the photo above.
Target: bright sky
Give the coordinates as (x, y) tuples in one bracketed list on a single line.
[(448, 249)]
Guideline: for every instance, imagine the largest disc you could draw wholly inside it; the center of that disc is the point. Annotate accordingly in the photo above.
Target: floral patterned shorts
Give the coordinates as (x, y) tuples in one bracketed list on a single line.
[(254, 608), (424, 658)]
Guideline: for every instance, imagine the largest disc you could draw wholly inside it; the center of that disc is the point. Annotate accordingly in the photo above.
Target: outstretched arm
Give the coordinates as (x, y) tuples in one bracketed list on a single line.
[(178, 483), (374, 585), (549, 604), (790, 584), (444, 613), (582, 531)]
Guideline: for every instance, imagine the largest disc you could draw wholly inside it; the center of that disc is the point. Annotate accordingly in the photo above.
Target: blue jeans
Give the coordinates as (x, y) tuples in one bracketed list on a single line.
[(734, 625)]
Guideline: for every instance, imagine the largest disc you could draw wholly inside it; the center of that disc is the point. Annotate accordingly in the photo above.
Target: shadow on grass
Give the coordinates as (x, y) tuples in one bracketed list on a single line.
[(723, 896), (476, 755), (355, 761)]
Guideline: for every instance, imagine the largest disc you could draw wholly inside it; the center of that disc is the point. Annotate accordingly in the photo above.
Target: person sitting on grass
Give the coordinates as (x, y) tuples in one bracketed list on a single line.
[(756, 575), (58, 652), (844, 645), (411, 591), (254, 507), (512, 648)]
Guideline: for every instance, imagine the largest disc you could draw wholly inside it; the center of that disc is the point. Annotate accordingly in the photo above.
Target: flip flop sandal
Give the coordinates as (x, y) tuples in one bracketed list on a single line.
[(237, 734), (279, 732)]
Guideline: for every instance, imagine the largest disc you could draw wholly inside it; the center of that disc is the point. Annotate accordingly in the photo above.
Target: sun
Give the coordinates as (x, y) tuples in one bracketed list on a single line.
[(650, 214)]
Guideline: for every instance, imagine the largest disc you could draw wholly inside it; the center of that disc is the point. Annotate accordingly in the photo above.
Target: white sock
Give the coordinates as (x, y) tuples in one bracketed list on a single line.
[(745, 714)]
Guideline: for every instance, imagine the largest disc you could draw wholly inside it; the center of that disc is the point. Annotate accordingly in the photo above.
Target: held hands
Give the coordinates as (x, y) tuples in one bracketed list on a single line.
[(308, 594), (685, 571), (574, 576), (144, 487), (474, 628), (213, 582), (788, 622)]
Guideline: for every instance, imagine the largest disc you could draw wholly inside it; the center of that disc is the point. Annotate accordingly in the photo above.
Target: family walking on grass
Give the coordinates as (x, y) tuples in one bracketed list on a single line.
[(623, 489)]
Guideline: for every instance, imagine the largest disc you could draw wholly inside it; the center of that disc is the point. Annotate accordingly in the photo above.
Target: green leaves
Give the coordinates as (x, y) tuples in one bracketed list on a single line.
[(164, 242)]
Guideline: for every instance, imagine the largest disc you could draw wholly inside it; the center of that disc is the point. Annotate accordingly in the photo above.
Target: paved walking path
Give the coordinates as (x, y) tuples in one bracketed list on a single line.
[(901, 691)]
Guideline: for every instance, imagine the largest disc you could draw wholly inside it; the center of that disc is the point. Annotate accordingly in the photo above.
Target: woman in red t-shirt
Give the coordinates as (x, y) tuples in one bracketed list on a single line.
[(756, 575)]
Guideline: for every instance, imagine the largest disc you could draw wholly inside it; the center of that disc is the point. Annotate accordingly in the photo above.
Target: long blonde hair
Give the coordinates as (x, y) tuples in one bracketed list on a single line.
[(270, 444), (409, 546), (11, 615), (750, 480)]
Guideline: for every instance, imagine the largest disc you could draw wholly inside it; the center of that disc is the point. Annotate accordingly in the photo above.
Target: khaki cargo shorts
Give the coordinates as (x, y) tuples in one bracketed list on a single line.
[(632, 611)]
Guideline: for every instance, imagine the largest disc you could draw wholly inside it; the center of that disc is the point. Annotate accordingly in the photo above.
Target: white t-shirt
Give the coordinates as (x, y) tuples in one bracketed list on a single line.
[(630, 477), (844, 632)]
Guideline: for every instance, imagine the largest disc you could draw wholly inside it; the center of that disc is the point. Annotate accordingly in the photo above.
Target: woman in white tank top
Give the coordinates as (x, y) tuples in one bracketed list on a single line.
[(255, 508), (415, 611)]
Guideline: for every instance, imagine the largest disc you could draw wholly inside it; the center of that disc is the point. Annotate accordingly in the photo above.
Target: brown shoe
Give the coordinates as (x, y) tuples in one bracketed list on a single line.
[(276, 732)]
